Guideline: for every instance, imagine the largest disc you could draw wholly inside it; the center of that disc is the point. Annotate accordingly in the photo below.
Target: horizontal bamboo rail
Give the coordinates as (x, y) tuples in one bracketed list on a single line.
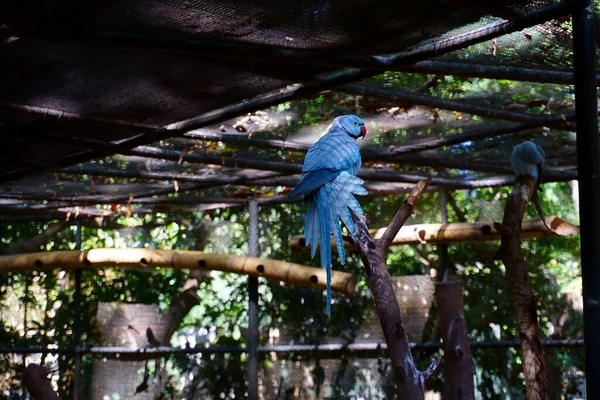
[(287, 272), (462, 232)]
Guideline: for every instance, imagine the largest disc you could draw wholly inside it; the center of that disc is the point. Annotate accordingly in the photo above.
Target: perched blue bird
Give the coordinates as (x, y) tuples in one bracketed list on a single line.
[(528, 159), (328, 185)]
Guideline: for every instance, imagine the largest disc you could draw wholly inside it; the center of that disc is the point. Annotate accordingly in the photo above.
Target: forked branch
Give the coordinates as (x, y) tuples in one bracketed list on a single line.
[(410, 382)]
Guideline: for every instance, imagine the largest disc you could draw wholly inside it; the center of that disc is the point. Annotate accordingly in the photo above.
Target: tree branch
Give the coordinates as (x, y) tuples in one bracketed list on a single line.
[(183, 303), (402, 215), (524, 299), (429, 83), (460, 215), (409, 381), (432, 370), (37, 383)]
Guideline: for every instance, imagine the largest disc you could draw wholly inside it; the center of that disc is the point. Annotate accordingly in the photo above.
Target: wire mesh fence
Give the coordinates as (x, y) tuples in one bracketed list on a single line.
[(293, 375), (122, 311)]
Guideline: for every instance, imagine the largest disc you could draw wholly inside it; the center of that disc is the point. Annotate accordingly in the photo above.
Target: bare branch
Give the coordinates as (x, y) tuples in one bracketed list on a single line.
[(183, 303), (460, 215), (402, 215), (432, 370), (429, 83), (409, 380)]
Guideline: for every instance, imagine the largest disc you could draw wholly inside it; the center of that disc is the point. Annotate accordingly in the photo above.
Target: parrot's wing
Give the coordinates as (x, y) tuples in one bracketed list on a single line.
[(311, 181), (325, 160), (332, 152), (533, 155)]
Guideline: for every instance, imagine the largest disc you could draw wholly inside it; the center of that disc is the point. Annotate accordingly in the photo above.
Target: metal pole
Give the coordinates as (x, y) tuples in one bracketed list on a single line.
[(253, 333), (588, 167), (77, 322), (281, 348)]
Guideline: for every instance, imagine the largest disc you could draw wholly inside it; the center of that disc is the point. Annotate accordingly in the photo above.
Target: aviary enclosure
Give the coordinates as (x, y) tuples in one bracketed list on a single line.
[(150, 249)]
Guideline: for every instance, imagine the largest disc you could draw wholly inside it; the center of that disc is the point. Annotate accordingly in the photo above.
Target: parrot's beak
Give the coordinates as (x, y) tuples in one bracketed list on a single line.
[(363, 132)]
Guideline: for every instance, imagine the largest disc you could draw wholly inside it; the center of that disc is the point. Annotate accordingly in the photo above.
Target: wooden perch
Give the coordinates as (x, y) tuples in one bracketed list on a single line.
[(458, 364), (462, 232), (524, 299), (37, 383), (291, 273), (410, 382)]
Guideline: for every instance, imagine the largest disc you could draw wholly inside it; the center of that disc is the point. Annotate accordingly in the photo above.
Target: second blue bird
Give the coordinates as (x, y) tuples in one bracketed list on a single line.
[(328, 185), (528, 159)]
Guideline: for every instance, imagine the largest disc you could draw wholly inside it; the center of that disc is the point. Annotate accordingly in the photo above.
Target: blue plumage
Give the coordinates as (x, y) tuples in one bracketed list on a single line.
[(528, 159), (329, 185)]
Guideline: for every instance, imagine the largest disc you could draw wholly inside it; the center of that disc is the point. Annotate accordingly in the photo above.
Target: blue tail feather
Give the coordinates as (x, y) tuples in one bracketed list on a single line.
[(324, 212), (326, 206), (311, 229)]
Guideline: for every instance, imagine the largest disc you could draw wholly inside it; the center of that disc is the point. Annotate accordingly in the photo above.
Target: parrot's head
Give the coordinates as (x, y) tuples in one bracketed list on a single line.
[(353, 125), (529, 150)]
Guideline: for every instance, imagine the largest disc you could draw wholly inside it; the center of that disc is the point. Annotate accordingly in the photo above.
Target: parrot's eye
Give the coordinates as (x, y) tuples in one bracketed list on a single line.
[(355, 123)]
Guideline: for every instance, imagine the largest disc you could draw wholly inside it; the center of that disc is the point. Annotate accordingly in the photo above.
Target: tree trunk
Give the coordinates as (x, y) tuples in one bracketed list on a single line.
[(524, 299), (37, 383), (410, 382)]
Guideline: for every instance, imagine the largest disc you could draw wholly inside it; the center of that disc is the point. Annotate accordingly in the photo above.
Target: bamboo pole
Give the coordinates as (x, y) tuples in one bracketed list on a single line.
[(463, 232), (287, 272)]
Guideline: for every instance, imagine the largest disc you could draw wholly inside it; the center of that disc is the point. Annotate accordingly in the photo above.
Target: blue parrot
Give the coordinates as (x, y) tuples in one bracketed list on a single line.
[(528, 159), (328, 185)]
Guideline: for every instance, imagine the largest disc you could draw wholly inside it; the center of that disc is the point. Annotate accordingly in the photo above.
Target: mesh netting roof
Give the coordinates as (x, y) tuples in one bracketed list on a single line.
[(133, 104)]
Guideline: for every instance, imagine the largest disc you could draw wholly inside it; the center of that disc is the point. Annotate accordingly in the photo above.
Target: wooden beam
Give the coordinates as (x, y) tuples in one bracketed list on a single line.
[(469, 70), (463, 232), (553, 120), (287, 272)]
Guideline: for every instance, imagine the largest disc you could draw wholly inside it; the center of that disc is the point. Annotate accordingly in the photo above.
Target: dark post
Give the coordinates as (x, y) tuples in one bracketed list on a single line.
[(444, 260), (77, 322), (458, 364), (253, 306), (444, 257), (588, 167)]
